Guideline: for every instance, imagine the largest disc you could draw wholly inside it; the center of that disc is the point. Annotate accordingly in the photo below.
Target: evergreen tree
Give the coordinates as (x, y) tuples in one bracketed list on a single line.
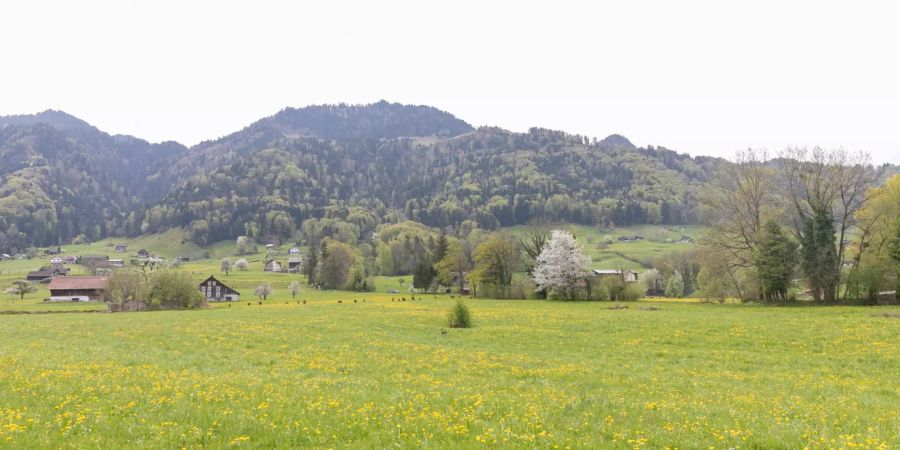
[(775, 258), (819, 257), (440, 249), (311, 265), (424, 275)]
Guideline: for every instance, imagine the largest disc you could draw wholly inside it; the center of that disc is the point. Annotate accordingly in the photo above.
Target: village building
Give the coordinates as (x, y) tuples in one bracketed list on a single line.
[(4, 256), (77, 288), (46, 273), (39, 275), (116, 263), (628, 276), (273, 265), (143, 253), (216, 291), (294, 251), (454, 283), (121, 248), (94, 260), (57, 260), (295, 264)]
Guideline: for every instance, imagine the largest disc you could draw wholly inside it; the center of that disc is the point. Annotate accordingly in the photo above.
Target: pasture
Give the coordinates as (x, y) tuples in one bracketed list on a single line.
[(377, 374)]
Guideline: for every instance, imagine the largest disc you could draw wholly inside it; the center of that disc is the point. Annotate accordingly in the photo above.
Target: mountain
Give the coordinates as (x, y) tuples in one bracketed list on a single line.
[(56, 119), (61, 178), (265, 182), (353, 166)]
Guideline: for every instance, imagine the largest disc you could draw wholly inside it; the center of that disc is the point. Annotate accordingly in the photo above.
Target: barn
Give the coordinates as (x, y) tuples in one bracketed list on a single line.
[(77, 289)]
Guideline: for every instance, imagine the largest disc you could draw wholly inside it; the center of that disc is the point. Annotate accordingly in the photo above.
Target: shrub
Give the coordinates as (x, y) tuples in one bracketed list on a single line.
[(632, 292), (523, 289), (173, 289), (459, 316)]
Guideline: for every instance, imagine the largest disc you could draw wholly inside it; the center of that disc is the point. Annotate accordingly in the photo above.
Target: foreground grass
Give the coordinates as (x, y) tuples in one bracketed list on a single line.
[(381, 373)]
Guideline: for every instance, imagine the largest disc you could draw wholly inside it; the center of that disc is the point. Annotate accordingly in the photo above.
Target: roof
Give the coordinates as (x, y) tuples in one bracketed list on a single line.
[(225, 286), (76, 282), (611, 271), (40, 273)]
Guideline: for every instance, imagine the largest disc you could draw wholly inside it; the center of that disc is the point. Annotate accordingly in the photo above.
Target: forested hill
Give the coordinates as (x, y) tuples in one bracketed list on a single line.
[(491, 176), (62, 179)]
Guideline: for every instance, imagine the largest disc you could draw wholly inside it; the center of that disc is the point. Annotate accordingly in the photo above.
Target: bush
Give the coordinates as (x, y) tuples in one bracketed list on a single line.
[(523, 289), (173, 289), (459, 316), (632, 292)]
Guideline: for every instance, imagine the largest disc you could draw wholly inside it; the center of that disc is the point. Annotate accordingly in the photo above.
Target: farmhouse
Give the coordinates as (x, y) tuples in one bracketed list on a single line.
[(46, 273), (630, 238), (77, 289), (57, 260), (273, 266), (39, 275), (121, 248), (294, 251), (216, 291), (116, 263), (143, 253), (627, 275)]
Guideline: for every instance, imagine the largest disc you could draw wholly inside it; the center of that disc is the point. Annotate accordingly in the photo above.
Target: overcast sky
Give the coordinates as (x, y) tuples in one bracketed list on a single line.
[(702, 77)]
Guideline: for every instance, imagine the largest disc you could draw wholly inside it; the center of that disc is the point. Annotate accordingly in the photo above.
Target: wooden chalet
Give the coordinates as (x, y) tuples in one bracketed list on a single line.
[(216, 291)]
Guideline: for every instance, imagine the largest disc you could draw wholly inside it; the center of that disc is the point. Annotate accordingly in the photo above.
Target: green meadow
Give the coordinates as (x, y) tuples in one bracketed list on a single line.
[(377, 374), (336, 369)]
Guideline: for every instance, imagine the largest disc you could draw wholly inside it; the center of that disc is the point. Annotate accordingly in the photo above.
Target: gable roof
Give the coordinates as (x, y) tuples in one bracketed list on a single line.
[(219, 283), (78, 282), (40, 273)]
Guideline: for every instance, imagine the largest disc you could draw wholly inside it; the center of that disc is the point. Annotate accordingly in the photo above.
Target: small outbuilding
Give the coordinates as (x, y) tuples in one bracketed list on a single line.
[(121, 248), (216, 291), (273, 265), (627, 275)]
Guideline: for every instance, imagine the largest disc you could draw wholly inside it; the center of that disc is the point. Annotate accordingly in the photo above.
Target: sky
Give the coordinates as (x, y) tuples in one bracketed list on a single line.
[(701, 77)]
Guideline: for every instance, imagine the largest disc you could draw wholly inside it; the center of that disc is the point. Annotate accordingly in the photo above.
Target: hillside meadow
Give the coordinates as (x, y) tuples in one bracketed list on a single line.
[(376, 374)]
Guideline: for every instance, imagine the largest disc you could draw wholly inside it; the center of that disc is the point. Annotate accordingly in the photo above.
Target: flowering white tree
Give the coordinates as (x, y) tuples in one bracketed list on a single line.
[(561, 264)]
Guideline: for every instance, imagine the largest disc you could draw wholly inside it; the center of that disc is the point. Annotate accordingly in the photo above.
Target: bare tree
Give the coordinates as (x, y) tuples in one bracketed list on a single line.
[(828, 182), (741, 197)]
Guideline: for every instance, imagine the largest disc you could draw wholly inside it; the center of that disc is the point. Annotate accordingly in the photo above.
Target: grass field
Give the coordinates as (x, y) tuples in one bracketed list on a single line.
[(383, 374), (371, 372)]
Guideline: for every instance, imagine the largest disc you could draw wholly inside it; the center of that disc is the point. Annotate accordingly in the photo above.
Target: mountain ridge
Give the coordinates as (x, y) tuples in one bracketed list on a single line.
[(62, 179)]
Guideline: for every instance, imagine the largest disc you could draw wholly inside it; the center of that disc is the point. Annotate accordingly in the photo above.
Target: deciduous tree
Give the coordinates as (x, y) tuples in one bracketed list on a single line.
[(560, 265)]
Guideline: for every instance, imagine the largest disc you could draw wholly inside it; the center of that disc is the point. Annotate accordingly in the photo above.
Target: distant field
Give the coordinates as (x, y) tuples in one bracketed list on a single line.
[(629, 255), (205, 261), (531, 374)]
